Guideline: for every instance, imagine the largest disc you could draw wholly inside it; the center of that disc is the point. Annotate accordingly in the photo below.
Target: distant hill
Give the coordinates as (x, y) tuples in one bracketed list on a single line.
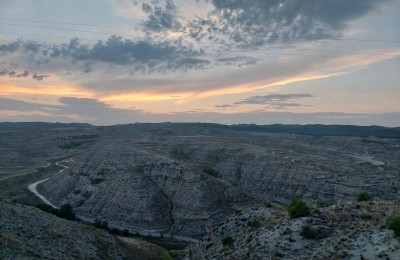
[(314, 130), (325, 130), (41, 125)]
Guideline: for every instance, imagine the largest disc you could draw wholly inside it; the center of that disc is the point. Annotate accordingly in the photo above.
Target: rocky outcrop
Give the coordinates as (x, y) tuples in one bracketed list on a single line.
[(133, 188), (341, 231), (279, 167), (175, 180), (29, 233)]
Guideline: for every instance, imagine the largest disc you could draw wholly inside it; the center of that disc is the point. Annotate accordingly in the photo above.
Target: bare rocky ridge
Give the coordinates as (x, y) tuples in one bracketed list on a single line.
[(134, 188), (341, 231), (29, 233), (176, 179), (179, 178)]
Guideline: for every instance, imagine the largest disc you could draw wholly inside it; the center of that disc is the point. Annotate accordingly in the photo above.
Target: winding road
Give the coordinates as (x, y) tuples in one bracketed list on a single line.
[(33, 188)]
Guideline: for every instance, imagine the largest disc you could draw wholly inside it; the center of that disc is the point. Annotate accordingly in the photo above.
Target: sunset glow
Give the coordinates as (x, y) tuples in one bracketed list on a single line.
[(197, 61)]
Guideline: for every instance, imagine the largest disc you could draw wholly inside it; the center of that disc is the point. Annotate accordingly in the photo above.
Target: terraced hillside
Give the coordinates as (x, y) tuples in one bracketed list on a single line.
[(176, 179)]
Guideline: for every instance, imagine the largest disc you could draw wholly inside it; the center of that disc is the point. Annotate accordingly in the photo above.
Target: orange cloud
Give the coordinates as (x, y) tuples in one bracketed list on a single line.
[(54, 90), (139, 97)]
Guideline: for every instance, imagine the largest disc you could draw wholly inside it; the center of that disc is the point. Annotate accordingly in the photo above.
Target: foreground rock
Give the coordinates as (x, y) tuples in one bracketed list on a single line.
[(342, 231), (29, 233)]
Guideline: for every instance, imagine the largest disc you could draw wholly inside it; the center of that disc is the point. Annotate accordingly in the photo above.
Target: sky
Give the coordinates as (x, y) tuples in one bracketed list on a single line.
[(222, 61)]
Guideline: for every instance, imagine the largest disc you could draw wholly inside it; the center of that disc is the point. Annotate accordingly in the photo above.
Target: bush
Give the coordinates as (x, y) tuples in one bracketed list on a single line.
[(309, 232), (64, 212), (47, 208), (210, 171), (255, 223), (101, 224), (114, 231), (314, 232), (363, 196), (67, 212), (394, 225), (126, 233), (228, 241), (298, 208), (166, 256)]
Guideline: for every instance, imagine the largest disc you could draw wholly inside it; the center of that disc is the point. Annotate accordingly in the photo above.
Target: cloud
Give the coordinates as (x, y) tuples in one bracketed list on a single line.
[(263, 21), (39, 77), (240, 61), (9, 47), (161, 17), (277, 101), (84, 109), (143, 55), (17, 105), (99, 113), (13, 73), (225, 106)]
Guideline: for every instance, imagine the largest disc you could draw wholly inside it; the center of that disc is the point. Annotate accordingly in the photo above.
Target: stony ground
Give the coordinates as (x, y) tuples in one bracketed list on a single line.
[(181, 178), (349, 230), (177, 179), (29, 233)]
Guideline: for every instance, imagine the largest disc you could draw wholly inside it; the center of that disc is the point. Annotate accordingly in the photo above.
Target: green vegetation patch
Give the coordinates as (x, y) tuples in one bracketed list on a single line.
[(65, 211), (394, 225), (255, 223), (364, 196), (228, 241), (210, 171), (298, 208)]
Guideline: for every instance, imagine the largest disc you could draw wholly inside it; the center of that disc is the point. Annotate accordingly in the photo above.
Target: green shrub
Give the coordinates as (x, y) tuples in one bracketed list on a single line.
[(298, 208), (67, 212), (363, 196), (114, 231), (309, 232), (314, 232), (166, 256), (47, 208), (101, 224), (126, 233), (394, 225), (228, 241), (64, 212), (255, 223), (210, 171)]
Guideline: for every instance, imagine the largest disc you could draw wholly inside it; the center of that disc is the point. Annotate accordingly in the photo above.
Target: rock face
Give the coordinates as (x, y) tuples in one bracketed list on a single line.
[(29, 233), (134, 188), (341, 231), (279, 167), (177, 179)]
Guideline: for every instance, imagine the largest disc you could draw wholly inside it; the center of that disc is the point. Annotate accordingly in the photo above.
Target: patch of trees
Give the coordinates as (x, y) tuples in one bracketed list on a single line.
[(65, 211), (394, 225), (364, 196)]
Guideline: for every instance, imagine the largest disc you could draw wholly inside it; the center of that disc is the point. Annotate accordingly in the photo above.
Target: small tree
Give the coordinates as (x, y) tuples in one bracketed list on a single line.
[(298, 208), (364, 196), (394, 225), (67, 212), (47, 208), (101, 224), (228, 241), (126, 233)]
